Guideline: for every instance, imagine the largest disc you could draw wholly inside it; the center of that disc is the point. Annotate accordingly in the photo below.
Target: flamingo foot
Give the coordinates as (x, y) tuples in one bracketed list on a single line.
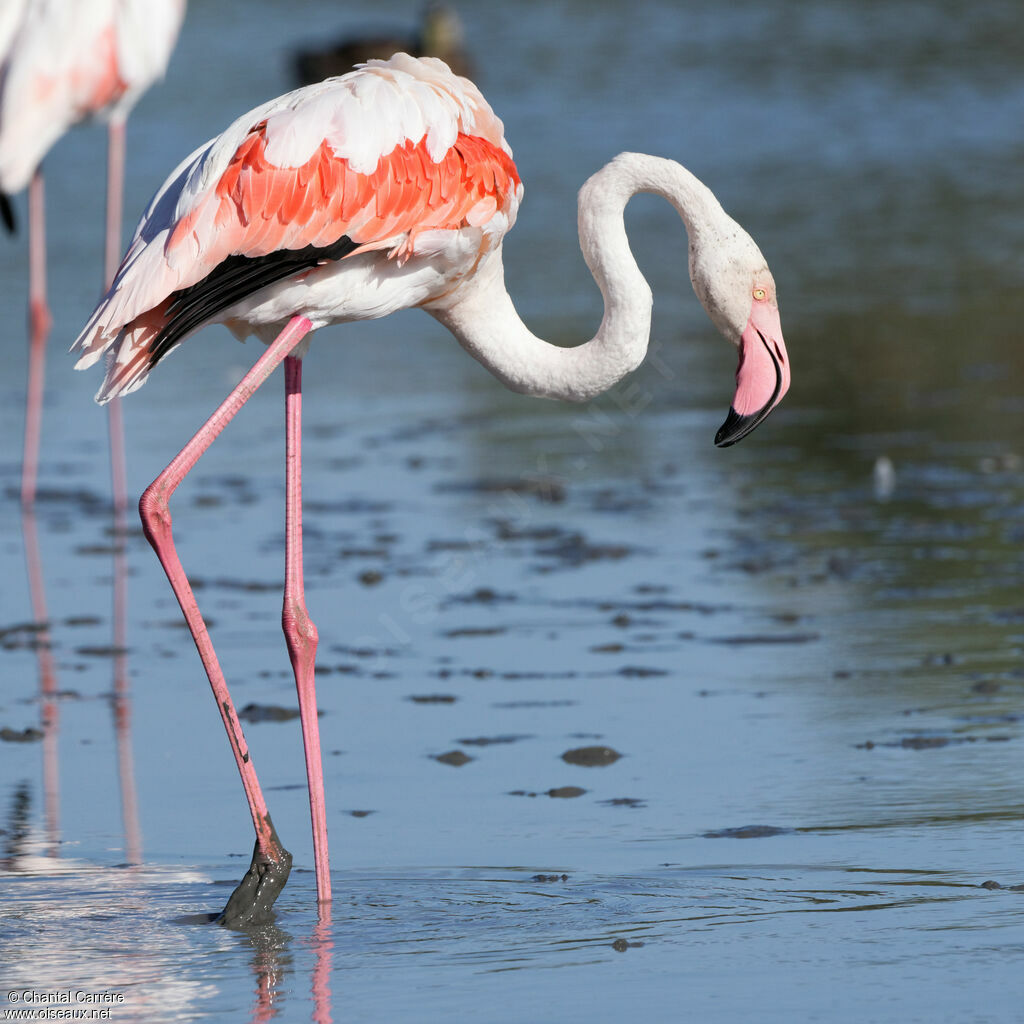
[(252, 902)]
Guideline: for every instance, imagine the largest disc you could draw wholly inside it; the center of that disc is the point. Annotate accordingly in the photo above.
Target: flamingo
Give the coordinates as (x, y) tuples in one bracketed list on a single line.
[(64, 61), (389, 187)]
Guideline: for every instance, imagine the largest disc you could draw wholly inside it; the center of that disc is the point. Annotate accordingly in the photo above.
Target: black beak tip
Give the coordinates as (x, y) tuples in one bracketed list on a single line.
[(735, 428)]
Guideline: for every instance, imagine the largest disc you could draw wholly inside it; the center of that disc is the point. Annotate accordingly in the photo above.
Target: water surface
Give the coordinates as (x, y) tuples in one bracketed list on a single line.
[(805, 650)]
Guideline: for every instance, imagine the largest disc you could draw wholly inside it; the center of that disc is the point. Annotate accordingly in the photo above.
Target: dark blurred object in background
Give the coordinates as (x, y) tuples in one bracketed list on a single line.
[(439, 35)]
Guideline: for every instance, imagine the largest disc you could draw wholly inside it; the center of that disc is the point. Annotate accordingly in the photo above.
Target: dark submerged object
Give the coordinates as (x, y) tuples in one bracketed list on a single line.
[(439, 35), (252, 902)]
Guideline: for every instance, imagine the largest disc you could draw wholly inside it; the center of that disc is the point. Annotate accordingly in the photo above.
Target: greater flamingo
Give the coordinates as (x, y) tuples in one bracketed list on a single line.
[(387, 188), (65, 61)]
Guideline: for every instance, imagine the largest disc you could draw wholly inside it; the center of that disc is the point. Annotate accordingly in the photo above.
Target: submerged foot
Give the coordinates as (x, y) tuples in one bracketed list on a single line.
[(252, 901)]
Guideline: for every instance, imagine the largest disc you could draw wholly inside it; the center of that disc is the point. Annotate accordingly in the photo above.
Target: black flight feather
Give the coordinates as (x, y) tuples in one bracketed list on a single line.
[(233, 280)]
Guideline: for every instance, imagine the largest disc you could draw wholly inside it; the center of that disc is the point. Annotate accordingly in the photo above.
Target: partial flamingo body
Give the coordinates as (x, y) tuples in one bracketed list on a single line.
[(66, 61), (388, 188)]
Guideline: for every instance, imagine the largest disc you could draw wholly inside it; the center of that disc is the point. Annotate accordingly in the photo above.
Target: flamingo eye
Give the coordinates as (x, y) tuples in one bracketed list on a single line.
[(759, 294)]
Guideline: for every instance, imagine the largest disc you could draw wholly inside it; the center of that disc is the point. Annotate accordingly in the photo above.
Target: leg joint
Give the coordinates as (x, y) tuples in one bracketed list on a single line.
[(39, 318), (155, 512), (298, 625)]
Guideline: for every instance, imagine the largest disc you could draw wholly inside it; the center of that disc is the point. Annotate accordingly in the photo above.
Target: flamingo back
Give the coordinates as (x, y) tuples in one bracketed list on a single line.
[(379, 160)]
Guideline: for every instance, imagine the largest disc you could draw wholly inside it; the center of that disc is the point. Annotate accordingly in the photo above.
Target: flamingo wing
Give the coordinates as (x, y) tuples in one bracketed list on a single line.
[(363, 162)]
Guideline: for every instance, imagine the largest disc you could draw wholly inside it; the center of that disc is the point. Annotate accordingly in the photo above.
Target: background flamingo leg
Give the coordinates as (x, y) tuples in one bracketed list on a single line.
[(111, 258), (120, 689), (39, 321), (119, 491), (268, 873), (299, 630)]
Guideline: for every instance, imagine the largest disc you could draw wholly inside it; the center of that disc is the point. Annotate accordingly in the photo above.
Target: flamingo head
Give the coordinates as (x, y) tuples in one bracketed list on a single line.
[(737, 290)]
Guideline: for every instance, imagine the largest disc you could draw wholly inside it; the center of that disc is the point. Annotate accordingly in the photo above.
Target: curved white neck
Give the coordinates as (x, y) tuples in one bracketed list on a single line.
[(481, 316)]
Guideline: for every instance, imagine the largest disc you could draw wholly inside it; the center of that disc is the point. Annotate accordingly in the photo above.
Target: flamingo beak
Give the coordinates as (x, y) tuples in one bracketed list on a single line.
[(762, 377)]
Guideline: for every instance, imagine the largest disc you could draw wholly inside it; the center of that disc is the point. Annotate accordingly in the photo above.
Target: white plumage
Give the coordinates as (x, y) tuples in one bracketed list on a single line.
[(343, 128)]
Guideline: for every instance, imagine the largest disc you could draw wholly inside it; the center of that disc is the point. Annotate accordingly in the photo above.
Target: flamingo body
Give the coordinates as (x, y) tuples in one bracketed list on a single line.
[(389, 187), (348, 199)]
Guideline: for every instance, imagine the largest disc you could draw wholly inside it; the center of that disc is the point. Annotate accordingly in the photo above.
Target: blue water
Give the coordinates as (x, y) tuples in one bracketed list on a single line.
[(812, 673)]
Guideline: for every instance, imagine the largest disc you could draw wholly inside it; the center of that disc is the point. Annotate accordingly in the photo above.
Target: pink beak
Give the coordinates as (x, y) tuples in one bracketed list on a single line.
[(762, 377)]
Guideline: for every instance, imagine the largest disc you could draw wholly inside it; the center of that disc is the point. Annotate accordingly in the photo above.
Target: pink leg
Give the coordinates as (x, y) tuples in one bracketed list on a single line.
[(39, 322), (115, 190), (112, 252), (122, 700), (270, 859), (299, 630), (39, 327)]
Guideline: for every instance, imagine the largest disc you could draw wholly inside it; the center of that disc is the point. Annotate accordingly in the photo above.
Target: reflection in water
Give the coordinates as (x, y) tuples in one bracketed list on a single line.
[(271, 961), (322, 946), (18, 826), (48, 696), (279, 978), (122, 707), (404, 936), (118, 928), (120, 693)]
